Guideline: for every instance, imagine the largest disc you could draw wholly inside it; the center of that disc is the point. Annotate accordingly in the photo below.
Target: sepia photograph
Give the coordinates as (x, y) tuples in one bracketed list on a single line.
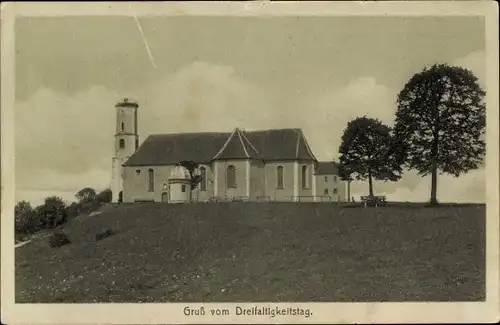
[(249, 162)]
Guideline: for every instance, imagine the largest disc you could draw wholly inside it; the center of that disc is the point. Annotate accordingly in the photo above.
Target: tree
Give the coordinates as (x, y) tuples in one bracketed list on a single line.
[(85, 195), (24, 218), (53, 212), (440, 123), (365, 152), (22, 208), (192, 167), (105, 196)]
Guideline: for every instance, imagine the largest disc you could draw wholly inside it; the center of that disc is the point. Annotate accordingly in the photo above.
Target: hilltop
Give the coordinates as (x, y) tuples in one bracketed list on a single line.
[(260, 252)]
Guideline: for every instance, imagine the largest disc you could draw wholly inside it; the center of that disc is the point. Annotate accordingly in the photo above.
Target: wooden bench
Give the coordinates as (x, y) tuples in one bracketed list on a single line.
[(373, 201)]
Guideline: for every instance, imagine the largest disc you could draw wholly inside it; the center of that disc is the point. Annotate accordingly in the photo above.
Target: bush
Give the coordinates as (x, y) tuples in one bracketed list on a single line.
[(58, 239), (105, 234)]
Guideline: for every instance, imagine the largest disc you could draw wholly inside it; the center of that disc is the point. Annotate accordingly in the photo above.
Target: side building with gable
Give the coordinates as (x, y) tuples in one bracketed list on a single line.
[(267, 165)]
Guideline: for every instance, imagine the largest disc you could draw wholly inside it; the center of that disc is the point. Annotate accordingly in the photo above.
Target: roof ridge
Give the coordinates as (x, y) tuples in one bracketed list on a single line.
[(249, 142), (278, 129), (225, 145), (307, 144), (241, 141), (185, 133), (297, 145)]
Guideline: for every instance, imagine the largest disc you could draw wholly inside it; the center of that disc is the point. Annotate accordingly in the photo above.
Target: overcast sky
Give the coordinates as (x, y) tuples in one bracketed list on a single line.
[(215, 74)]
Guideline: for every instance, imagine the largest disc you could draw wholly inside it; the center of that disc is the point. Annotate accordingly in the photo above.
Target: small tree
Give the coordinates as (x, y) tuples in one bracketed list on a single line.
[(25, 221), (105, 196), (85, 195), (440, 123), (53, 211), (192, 167), (22, 207), (365, 152)]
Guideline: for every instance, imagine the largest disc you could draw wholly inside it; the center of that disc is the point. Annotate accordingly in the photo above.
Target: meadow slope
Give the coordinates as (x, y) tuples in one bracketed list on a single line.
[(261, 252)]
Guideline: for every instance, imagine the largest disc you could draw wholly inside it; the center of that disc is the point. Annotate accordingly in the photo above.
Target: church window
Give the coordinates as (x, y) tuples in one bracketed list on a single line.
[(326, 179), (231, 176), (183, 188), (326, 191), (280, 183), (123, 126), (203, 182), (136, 144), (151, 180), (305, 183), (335, 191), (335, 178), (122, 143)]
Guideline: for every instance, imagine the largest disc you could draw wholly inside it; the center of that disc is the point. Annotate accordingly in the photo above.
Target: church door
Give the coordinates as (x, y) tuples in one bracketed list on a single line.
[(164, 197)]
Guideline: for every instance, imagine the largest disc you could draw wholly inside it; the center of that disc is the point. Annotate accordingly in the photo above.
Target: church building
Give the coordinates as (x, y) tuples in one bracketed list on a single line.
[(267, 165)]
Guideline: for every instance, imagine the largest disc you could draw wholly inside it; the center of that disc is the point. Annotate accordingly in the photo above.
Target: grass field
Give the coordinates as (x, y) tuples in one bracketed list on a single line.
[(261, 252)]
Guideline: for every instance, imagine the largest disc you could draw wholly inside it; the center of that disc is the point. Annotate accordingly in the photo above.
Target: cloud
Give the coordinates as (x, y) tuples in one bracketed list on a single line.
[(468, 188), (366, 96), (333, 109), (66, 142), (203, 97)]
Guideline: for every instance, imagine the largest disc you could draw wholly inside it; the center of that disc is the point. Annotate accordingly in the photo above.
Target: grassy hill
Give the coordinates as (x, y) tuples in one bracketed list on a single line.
[(261, 252)]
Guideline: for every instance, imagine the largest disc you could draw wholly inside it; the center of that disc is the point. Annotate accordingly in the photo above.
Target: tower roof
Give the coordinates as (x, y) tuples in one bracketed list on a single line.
[(126, 102)]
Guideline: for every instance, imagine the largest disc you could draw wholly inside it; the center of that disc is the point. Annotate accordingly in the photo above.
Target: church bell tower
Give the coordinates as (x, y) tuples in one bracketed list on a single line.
[(126, 143)]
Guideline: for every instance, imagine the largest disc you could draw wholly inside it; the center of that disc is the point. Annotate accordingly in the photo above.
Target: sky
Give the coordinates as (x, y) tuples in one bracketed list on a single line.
[(218, 73)]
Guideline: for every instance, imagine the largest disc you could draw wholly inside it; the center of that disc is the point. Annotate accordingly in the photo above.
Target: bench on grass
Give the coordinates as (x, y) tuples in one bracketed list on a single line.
[(373, 201)]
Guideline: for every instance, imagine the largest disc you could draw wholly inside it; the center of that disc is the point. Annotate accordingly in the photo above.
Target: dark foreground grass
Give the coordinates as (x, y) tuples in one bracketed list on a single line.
[(261, 252)]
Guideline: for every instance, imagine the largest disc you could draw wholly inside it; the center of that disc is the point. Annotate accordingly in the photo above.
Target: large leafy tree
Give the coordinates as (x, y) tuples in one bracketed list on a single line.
[(440, 123), (365, 152)]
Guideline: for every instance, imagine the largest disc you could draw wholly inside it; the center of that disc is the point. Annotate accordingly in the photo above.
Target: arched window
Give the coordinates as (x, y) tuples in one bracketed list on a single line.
[(123, 126), (203, 182), (231, 176), (151, 180), (279, 177), (305, 182), (122, 143)]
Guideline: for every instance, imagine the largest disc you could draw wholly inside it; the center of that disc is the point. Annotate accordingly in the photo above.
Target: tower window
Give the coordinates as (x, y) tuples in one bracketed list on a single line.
[(123, 126), (280, 184), (151, 180), (122, 143), (231, 176), (305, 183), (183, 188), (203, 182)]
